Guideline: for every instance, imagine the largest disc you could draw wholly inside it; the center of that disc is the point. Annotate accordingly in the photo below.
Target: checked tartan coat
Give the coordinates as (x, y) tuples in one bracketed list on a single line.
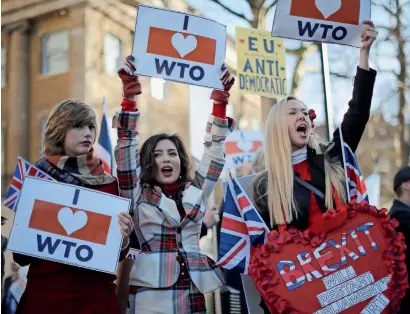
[(158, 226)]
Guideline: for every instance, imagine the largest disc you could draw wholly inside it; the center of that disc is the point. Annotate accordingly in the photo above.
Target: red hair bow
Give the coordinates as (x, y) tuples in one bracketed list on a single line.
[(312, 116)]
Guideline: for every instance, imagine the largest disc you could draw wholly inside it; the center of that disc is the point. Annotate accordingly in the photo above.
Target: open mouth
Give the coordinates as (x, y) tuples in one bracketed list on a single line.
[(302, 129), (167, 171)]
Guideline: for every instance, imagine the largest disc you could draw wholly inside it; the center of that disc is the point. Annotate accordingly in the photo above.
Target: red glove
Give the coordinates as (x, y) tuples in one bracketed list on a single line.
[(227, 81), (130, 84)]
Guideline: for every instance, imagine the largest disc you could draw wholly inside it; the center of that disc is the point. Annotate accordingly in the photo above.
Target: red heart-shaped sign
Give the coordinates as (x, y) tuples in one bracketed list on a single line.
[(357, 266), (241, 40)]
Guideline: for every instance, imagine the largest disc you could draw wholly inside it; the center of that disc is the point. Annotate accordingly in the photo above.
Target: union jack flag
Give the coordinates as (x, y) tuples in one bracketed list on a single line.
[(242, 227), (23, 169), (355, 184), (104, 147)]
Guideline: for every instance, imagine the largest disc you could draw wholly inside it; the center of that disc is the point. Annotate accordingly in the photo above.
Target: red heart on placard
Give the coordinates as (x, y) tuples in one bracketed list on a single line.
[(279, 45), (344, 271), (241, 40)]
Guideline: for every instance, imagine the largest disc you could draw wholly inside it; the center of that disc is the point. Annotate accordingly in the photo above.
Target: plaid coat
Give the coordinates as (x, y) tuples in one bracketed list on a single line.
[(158, 225)]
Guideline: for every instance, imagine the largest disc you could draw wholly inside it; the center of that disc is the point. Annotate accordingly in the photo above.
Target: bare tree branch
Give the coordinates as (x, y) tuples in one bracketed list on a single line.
[(380, 70), (271, 6), (340, 75), (386, 28), (293, 52), (298, 72), (386, 8), (240, 15), (403, 85), (311, 69)]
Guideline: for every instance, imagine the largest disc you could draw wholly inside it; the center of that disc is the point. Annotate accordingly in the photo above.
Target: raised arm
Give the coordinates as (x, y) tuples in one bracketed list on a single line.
[(126, 123), (217, 129), (356, 117)]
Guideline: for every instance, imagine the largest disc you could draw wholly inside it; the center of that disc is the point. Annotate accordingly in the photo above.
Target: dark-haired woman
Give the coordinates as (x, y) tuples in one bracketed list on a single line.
[(171, 274)]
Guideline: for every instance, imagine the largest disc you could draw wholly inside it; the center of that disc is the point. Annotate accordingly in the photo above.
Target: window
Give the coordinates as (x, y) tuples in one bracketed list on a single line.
[(158, 88), (3, 65), (112, 54), (55, 53)]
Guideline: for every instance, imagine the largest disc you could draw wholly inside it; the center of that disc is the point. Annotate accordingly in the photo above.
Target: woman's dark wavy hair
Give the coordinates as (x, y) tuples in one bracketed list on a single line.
[(149, 167)]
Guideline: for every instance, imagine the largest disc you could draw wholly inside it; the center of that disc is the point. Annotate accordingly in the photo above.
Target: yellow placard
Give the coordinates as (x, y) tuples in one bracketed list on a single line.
[(261, 63)]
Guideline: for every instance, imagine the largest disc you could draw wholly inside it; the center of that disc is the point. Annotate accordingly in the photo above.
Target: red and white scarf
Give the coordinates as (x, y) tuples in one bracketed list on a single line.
[(87, 168)]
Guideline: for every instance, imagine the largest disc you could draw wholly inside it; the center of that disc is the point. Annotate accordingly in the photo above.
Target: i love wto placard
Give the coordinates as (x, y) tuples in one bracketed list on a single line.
[(68, 224), (332, 21), (241, 147), (179, 47)]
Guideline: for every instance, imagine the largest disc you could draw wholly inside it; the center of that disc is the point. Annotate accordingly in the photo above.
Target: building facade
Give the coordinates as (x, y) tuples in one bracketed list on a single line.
[(54, 50)]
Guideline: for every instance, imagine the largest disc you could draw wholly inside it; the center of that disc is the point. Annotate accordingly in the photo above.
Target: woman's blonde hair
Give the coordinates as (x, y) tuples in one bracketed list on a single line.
[(64, 116), (278, 166)]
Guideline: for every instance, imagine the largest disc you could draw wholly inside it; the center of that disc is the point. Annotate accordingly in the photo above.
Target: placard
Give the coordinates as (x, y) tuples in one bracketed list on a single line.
[(335, 21), (179, 47), (351, 269), (68, 224), (261, 63), (241, 147)]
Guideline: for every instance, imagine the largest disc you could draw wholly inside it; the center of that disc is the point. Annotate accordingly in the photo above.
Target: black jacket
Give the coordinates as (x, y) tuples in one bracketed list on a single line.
[(353, 125), (401, 212)]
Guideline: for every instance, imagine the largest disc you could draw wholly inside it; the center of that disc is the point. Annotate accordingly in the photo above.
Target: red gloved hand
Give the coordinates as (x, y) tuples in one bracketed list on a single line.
[(130, 84), (227, 81)]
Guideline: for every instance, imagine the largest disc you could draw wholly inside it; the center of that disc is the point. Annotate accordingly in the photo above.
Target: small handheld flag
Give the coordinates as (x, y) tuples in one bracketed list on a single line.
[(23, 169), (242, 226), (355, 184), (104, 147)]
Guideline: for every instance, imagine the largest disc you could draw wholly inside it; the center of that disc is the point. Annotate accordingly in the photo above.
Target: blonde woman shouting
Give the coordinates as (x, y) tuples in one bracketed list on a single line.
[(294, 156)]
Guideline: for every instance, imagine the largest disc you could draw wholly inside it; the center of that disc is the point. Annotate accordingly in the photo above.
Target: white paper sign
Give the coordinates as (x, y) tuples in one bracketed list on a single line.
[(241, 147), (332, 21), (252, 295), (68, 224), (179, 47), (377, 305), (245, 182)]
